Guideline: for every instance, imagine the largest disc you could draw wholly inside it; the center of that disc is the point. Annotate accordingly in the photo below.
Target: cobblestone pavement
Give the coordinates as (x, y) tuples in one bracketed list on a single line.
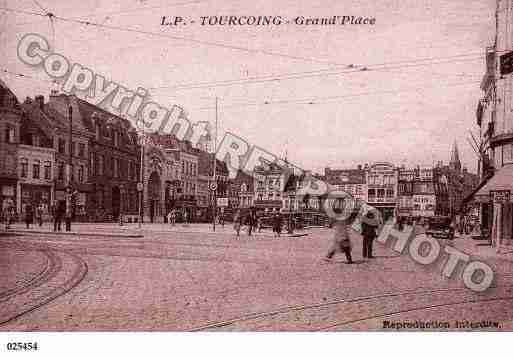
[(203, 281)]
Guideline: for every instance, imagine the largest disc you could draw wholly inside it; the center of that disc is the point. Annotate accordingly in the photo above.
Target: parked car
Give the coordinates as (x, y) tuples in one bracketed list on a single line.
[(440, 227)]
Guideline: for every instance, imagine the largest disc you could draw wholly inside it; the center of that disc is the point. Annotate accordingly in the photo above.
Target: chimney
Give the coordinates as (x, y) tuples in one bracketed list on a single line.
[(40, 100)]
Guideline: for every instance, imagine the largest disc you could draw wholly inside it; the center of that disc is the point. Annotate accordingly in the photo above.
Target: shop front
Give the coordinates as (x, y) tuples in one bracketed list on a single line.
[(36, 195), (8, 194), (497, 208)]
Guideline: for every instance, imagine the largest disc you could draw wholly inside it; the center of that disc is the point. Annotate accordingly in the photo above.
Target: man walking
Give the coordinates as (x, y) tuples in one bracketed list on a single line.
[(369, 234), (250, 221), (341, 241), (277, 224), (237, 222)]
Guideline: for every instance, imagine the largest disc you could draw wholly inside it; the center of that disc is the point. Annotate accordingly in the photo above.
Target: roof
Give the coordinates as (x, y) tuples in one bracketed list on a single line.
[(347, 176), (205, 165), (11, 97)]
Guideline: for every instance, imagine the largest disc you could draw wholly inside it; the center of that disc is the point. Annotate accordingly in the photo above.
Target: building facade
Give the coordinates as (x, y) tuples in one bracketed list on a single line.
[(495, 121), (351, 181), (382, 180), (269, 184), (10, 123)]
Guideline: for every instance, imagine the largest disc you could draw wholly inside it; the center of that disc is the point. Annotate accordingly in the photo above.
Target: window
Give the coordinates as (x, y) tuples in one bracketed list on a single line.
[(390, 193), (61, 146), (507, 154), (116, 167), (81, 174), (35, 140), (60, 173), (92, 165), (48, 170), (10, 134), (372, 192), (100, 165), (81, 150), (36, 166), (24, 168)]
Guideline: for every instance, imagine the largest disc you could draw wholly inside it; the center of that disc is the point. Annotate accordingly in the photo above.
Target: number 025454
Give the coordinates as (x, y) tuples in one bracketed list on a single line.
[(19, 346)]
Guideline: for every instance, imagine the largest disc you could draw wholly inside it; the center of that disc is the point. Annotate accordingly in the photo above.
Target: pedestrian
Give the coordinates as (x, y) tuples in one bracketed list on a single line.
[(250, 221), (341, 240), (259, 223), (277, 222), (9, 213), (369, 234), (173, 217), (29, 215), (39, 215), (237, 222), (185, 217), (58, 213)]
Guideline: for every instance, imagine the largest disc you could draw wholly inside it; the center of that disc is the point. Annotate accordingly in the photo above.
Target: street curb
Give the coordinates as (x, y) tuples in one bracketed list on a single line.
[(78, 234)]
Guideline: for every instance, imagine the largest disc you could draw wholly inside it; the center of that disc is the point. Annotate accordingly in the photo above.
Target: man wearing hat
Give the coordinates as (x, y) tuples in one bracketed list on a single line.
[(369, 234)]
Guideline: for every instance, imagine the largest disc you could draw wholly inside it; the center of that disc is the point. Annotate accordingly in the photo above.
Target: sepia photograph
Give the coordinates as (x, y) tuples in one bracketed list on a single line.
[(245, 168)]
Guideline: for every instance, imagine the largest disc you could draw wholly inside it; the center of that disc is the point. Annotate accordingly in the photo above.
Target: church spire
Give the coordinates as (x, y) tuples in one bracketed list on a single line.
[(455, 158)]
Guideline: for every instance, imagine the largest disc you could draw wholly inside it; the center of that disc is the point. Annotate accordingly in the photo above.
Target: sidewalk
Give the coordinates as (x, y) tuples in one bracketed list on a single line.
[(77, 229), (132, 230), (480, 248)]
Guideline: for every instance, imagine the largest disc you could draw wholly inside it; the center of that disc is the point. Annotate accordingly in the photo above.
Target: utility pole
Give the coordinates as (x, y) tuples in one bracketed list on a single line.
[(70, 169), (140, 185), (214, 184)]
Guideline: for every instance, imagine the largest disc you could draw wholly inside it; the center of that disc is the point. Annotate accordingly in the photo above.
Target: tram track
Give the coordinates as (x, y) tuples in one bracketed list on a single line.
[(51, 268), (54, 269), (354, 300), (473, 301)]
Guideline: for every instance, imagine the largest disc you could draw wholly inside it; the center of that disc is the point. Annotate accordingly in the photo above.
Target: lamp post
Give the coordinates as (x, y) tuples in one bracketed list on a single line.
[(70, 169), (140, 186), (214, 185)]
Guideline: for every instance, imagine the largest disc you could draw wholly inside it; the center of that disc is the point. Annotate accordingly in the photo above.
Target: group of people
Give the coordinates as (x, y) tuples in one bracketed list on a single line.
[(342, 241), (252, 221), (35, 215)]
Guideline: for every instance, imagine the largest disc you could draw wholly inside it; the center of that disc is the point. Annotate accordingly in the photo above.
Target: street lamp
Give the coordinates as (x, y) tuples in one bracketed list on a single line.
[(70, 169), (140, 185)]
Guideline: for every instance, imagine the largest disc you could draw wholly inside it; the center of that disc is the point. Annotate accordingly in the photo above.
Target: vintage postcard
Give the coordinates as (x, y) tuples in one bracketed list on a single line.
[(255, 166)]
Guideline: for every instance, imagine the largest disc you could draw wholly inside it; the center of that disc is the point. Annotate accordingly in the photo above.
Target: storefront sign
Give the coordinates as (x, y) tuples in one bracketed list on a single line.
[(501, 196), (222, 202)]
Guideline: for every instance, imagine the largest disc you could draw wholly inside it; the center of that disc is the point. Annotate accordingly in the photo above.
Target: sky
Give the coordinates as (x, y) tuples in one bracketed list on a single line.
[(425, 60)]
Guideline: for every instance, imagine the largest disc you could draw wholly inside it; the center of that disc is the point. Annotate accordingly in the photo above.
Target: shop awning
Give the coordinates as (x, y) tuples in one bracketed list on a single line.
[(502, 180)]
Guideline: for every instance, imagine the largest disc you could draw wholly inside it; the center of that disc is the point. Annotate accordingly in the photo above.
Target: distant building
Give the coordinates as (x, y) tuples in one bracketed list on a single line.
[(382, 180), (351, 181), (269, 185), (241, 191)]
